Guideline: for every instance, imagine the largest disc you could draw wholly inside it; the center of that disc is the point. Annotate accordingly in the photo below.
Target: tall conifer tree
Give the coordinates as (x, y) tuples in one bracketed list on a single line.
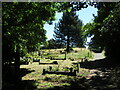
[(68, 30)]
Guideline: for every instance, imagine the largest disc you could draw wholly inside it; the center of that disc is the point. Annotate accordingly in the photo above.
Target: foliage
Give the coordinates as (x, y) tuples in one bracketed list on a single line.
[(104, 10), (88, 29), (23, 25), (105, 29), (24, 60), (111, 32), (23, 30), (52, 44), (68, 30)]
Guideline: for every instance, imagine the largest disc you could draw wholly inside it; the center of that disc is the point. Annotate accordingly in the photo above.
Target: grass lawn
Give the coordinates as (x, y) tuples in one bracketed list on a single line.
[(77, 53), (52, 80), (32, 78)]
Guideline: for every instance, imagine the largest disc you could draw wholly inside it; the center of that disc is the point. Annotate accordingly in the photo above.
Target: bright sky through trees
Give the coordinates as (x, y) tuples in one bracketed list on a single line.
[(86, 15)]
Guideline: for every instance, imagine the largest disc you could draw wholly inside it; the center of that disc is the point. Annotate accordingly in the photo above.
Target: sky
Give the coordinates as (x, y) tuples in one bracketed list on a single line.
[(86, 15)]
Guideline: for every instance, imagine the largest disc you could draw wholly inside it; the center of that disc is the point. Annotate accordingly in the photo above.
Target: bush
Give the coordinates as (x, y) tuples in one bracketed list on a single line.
[(24, 60)]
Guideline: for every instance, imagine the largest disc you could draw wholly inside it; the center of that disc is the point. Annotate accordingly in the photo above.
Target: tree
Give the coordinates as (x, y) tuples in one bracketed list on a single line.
[(104, 10), (51, 44), (23, 29), (68, 30), (105, 29), (111, 33)]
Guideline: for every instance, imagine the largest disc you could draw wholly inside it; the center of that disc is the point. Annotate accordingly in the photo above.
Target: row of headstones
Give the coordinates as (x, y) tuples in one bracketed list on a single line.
[(48, 53), (36, 60), (60, 52), (54, 62), (41, 53), (69, 73)]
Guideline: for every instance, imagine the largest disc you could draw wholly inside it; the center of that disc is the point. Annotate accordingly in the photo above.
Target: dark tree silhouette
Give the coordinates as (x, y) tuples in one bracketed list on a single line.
[(23, 29), (68, 30), (105, 29)]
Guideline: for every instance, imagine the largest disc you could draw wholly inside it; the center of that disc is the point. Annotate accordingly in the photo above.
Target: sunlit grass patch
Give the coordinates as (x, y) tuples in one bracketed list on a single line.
[(45, 85), (83, 72), (52, 80)]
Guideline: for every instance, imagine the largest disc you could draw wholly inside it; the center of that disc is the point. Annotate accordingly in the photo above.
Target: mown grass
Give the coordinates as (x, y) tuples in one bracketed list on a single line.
[(52, 80), (78, 54), (49, 81)]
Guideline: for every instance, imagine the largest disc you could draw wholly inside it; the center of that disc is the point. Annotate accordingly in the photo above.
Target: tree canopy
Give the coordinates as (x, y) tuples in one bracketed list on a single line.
[(23, 24), (105, 29), (23, 30)]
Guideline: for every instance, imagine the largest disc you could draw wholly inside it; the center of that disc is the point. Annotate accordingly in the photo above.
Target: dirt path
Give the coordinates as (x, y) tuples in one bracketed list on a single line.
[(93, 72), (101, 77)]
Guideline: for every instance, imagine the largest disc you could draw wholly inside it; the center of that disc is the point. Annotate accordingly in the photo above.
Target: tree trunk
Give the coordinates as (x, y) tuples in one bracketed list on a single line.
[(68, 42), (17, 66), (65, 55)]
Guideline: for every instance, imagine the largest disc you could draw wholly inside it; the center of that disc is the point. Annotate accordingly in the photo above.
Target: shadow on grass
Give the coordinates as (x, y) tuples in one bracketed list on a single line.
[(9, 82), (23, 85), (107, 79), (72, 84), (100, 64), (94, 83), (54, 62), (28, 85), (24, 71)]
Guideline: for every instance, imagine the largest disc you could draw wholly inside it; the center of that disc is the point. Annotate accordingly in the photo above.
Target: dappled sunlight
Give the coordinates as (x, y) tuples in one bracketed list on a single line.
[(31, 62), (88, 72)]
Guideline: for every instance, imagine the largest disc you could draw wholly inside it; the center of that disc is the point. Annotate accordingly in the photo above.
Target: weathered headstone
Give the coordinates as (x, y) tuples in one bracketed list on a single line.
[(43, 72), (50, 68)]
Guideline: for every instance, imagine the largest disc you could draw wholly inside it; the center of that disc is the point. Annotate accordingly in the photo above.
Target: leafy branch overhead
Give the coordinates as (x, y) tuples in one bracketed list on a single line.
[(105, 29), (23, 22)]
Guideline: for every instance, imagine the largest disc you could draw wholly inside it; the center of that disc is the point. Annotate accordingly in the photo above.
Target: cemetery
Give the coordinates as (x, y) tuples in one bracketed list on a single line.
[(60, 45), (58, 72)]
